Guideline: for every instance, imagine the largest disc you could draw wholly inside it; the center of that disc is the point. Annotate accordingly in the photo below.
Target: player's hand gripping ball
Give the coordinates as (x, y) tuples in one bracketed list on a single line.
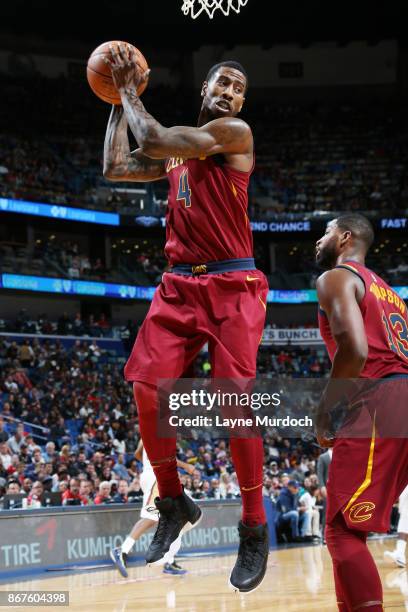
[(113, 65)]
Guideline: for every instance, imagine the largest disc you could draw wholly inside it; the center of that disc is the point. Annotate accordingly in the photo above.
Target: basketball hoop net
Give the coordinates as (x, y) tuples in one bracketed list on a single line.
[(196, 7)]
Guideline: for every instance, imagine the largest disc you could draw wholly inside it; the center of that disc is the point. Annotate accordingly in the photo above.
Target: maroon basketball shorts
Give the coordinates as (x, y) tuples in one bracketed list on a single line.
[(366, 476), (226, 310), (369, 468)]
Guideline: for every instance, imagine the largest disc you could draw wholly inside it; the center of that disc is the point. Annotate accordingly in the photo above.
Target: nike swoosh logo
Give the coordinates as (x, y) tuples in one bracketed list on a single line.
[(251, 278)]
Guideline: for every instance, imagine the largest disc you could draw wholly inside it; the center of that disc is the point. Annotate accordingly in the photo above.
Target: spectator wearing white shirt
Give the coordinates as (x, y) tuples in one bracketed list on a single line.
[(50, 453), (11, 385), (17, 440), (5, 455), (307, 503)]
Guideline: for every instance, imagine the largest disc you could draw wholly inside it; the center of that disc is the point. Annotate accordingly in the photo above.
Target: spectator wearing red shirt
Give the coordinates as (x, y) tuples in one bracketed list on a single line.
[(72, 493), (104, 496), (34, 496)]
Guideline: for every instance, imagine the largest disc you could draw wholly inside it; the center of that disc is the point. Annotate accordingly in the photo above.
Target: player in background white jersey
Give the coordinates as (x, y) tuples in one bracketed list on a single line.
[(149, 517), (398, 554)]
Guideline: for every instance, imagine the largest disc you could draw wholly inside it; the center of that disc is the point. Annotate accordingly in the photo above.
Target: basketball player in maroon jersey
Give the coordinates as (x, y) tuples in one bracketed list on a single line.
[(213, 293), (365, 328)]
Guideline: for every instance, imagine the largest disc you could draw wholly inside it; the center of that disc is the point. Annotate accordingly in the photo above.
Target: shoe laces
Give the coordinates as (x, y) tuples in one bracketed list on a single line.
[(249, 549)]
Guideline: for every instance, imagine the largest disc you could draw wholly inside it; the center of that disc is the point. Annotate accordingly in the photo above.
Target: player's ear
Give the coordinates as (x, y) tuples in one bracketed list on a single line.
[(204, 89), (345, 237)]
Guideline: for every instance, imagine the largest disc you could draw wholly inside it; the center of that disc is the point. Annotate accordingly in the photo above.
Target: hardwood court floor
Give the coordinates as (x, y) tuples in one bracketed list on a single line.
[(297, 580)]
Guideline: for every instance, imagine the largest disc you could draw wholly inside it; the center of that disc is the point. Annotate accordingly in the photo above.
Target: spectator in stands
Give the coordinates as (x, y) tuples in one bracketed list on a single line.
[(37, 458), (130, 441), (85, 491), (9, 383), (93, 326), (27, 485), (104, 496), (47, 482), (214, 491), (273, 469), (81, 461), (26, 354), (50, 453), (226, 491), (103, 324), (197, 489), (288, 511), (5, 455), (24, 455), (72, 464), (31, 445), (267, 489), (307, 504), (19, 471), (13, 487), (94, 351), (99, 268), (297, 473), (63, 324), (34, 497), (63, 486), (17, 440), (120, 470), (3, 433), (121, 497), (77, 325), (135, 492), (59, 432), (72, 495)]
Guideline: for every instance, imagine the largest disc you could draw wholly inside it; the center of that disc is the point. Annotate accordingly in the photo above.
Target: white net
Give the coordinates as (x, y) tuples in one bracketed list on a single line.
[(196, 7)]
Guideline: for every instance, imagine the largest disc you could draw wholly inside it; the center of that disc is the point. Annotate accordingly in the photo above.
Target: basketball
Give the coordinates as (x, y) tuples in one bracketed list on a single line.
[(99, 73)]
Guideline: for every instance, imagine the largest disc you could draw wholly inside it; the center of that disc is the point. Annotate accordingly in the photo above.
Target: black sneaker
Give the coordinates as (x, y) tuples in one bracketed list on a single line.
[(250, 566), (176, 516), (174, 568)]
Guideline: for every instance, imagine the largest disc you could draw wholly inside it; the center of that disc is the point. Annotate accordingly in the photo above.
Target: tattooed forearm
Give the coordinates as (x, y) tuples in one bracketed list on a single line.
[(119, 164), (116, 148), (222, 135), (144, 127)]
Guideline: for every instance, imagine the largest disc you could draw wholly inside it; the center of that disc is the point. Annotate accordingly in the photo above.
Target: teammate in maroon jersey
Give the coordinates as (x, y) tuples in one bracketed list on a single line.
[(213, 293), (365, 327)]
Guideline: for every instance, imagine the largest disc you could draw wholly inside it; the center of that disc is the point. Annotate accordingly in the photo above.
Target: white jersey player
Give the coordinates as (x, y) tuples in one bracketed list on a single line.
[(149, 516)]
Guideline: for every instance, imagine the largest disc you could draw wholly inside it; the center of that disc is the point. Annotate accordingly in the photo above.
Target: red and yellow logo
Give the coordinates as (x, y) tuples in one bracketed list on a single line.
[(361, 512)]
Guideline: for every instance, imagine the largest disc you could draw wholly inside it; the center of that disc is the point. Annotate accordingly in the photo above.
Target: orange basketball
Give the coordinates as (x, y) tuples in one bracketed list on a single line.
[(100, 77)]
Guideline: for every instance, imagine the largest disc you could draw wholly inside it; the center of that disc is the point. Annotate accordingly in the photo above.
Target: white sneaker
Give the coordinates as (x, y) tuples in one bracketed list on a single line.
[(393, 556)]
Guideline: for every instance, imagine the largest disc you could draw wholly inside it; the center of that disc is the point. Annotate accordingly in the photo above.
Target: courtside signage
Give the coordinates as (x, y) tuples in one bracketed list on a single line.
[(76, 287), (43, 284), (54, 211)]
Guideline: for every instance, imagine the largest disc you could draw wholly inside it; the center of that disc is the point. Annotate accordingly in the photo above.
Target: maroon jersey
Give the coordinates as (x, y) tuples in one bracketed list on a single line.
[(386, 325), (206, 218)]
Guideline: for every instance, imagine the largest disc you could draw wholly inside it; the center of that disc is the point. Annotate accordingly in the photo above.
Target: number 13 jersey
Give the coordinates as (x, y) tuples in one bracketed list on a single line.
[(386, 324)]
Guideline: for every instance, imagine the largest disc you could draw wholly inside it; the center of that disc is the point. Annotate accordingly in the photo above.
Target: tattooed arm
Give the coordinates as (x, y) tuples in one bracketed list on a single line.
[(119, 164), (227, 135)]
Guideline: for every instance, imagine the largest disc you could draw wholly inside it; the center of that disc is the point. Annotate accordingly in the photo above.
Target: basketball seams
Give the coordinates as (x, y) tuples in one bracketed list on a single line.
[(100, 77)]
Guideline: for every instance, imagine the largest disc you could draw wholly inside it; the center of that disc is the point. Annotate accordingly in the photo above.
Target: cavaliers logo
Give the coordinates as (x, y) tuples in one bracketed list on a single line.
[(361, 512)]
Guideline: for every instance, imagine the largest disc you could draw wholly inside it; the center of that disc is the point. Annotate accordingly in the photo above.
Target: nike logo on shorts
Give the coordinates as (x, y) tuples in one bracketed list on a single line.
[(252, 278)]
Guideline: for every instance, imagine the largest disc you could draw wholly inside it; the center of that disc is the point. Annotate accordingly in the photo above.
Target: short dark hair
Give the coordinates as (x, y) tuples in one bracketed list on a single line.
[(359, 226), (228, 64)]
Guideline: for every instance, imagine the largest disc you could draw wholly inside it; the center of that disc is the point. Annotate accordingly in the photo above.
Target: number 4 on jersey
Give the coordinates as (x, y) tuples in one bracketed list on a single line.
[(184, 191)]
